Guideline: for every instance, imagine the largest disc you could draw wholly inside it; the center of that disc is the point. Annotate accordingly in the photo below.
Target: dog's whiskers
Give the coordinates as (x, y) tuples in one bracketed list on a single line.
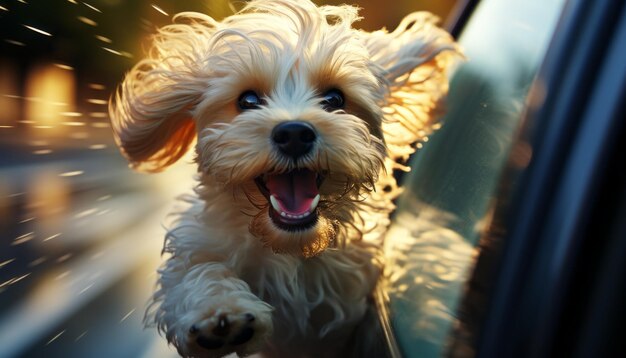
[(251, 199)]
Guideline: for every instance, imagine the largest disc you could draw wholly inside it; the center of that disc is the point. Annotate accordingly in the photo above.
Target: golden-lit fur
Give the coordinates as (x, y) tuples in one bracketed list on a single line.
[(308, 289)]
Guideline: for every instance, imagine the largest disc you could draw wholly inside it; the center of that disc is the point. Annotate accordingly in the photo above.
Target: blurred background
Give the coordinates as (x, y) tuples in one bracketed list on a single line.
[(80, 233)]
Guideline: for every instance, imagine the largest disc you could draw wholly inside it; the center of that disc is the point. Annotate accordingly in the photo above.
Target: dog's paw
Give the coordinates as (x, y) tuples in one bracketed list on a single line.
[(228, 330), (216, 332)]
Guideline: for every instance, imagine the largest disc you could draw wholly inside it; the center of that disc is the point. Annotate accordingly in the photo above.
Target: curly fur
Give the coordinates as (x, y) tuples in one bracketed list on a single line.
[(308, 290)]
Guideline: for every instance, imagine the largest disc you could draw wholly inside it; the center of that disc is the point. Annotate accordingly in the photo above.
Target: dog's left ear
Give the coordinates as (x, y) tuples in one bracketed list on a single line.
[(151, 124), (413, 64), (151, 111)]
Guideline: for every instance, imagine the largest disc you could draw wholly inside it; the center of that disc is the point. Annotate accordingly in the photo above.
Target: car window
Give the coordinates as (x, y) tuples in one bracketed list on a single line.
[(431, 244)]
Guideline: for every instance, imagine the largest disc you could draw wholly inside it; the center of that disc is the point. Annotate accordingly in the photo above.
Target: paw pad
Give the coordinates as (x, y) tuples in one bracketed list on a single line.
[(226, 329)]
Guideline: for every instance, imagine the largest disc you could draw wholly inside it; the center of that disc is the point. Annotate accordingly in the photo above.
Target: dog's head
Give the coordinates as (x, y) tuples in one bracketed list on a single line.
[(290, 106)]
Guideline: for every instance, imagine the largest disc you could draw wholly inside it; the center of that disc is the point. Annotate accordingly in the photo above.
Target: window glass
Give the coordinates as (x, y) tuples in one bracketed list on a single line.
[(431, 244)]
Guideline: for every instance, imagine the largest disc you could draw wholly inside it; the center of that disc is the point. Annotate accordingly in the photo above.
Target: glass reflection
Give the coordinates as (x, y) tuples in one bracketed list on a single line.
[(454, 175)]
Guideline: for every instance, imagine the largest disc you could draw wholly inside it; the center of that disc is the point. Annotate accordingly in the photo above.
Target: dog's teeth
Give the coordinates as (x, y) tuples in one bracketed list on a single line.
[(284, 214), (275, 205), (314, 203)]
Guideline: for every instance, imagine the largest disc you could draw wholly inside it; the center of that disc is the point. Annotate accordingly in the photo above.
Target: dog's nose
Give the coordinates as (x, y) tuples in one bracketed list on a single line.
[(294, 138)]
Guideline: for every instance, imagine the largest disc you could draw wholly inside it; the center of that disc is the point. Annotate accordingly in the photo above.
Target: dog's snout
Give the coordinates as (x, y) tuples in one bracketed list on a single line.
[(294, 138)]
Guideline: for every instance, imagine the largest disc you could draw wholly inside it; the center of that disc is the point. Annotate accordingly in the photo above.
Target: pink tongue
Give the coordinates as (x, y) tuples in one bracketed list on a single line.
[(294, 190)]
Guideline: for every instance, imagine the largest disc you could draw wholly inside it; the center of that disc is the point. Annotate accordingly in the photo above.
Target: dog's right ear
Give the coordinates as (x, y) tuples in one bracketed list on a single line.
[(151, 113), (413, 64)]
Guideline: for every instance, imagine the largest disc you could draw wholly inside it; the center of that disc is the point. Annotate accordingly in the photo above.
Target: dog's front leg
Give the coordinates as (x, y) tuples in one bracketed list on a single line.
[(206, 311)]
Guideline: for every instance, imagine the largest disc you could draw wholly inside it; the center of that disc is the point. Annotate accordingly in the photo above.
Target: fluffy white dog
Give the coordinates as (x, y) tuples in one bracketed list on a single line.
[(298, 120)]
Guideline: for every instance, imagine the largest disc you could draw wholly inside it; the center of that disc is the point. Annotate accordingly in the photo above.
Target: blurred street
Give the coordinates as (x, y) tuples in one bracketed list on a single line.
[(81, 233), (81, 241)]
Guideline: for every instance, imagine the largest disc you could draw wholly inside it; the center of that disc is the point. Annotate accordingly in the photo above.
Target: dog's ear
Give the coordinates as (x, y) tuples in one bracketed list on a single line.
[(413, 64), (151, 111)]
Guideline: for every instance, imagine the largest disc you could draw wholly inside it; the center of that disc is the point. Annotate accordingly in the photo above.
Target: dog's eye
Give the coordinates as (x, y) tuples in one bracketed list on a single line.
[(333, 100), (249, 100)]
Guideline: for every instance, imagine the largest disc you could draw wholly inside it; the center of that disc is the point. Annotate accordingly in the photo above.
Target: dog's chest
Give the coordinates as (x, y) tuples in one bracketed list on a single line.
[(314, 296)]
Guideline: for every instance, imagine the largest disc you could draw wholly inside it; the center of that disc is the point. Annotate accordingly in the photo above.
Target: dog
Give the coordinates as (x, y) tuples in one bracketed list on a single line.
[(299, 121)]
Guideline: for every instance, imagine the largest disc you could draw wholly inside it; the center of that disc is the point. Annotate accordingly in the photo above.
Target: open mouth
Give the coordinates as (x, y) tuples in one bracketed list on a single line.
[(293, 197)]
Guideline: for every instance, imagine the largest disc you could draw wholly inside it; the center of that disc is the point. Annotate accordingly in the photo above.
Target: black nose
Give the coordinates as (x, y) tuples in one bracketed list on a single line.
[(294, 138)]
